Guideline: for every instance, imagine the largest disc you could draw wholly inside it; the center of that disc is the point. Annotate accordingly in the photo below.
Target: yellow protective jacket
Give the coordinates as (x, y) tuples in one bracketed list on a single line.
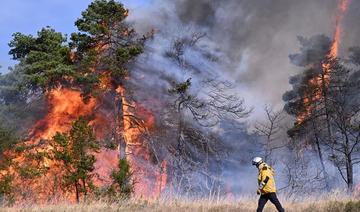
[(266, 179)]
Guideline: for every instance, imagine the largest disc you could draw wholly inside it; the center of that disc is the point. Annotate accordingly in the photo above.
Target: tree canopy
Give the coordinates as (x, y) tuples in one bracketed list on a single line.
[(75, 150), (46, 58)]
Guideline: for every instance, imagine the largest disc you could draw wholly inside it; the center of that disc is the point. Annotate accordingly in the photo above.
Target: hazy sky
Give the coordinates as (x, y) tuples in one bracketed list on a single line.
[(28, 16)]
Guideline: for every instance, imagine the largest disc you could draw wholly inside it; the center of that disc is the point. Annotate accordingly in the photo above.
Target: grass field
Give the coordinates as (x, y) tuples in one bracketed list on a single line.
[(245, 204)]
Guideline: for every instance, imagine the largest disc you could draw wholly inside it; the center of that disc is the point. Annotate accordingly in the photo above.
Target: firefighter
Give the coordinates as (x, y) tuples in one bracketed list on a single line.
[(266, 189)]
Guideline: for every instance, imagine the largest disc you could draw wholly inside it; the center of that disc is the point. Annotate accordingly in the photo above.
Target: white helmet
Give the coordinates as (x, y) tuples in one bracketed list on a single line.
[(256, 161)]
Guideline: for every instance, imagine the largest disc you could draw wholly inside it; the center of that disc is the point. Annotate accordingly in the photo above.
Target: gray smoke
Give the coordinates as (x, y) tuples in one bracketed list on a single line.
[(252, 38), (246, 42)]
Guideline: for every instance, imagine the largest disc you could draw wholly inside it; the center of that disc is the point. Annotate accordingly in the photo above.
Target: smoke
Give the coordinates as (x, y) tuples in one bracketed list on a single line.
[(313, 50), (249, 43), (253, 38)]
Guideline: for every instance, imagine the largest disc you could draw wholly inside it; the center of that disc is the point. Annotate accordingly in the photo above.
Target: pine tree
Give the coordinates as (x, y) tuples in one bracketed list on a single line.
[(46, 58), (104, 44), (75, 150), (7, 141), (123, 184)]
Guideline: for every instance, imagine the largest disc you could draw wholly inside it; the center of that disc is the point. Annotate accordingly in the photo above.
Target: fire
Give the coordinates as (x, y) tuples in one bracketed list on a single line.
[(161, 178), (65, 105), (322, 81), (342, 8), (150, 180)]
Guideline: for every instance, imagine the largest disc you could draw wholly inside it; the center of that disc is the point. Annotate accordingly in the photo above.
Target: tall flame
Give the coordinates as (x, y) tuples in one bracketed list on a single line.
[(323, 80), (64, 107), (150, 179)]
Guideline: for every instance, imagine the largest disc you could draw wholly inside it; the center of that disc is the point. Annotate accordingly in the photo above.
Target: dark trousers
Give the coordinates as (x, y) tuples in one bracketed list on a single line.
[(273, 199)]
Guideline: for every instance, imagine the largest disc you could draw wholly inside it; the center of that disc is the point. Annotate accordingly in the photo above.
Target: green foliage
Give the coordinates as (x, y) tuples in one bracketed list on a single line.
[(6, 189), (181, 88), (123, 184), (75, 150), (29, 171), (20, 148), (100, 17), (17, 113), (11, 91), (21, 45), (337, 206), (104, 44), (352, 206), (123, 55), (7, 140), (45, 58), (102, 47)]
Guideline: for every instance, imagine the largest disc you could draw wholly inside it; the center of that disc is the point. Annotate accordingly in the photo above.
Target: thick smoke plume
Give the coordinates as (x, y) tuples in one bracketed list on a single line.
[(252, 39), (246, 42)]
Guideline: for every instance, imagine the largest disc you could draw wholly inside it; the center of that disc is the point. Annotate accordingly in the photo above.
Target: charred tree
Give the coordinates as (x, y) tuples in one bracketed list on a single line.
[(308, 100), (207, 105), (345, 110), (270, 130)]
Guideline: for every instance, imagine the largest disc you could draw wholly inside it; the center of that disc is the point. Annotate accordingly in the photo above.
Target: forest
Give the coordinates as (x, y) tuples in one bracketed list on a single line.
[(113, 113)]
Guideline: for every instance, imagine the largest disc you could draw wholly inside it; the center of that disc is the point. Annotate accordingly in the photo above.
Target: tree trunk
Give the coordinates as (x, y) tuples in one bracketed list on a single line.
[(119, 124), (349, 165), (349, 174), (84, 187), (268, 151), (321, 159), (326, 177), (180, 131), (77, 192), (324, 89)]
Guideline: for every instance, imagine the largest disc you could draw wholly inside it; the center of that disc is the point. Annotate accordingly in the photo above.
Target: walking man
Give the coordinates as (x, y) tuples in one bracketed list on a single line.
[(267, 189)]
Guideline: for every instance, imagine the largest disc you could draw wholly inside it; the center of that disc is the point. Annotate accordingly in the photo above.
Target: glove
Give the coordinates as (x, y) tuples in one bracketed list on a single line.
[(261, 186), (258, 192)]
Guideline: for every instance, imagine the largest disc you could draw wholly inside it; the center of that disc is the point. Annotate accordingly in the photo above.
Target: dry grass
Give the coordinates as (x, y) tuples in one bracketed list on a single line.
[(329, 204)]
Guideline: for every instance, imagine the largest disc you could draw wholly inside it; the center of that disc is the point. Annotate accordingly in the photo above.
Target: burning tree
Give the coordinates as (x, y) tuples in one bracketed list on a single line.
[(306, 101), (7, 140), (85, 77), (123, 183), (88, 76), (103, 46), (326, 106), (324, 101), (76, 153)]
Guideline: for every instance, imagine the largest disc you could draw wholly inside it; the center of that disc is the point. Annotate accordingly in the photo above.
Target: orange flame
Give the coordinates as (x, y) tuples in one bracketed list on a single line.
[(150, 180), (64, 107), (326, 66)]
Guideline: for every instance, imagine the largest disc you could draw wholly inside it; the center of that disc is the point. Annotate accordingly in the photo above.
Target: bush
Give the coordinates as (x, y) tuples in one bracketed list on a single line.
[(122, 186), (352, 206)]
